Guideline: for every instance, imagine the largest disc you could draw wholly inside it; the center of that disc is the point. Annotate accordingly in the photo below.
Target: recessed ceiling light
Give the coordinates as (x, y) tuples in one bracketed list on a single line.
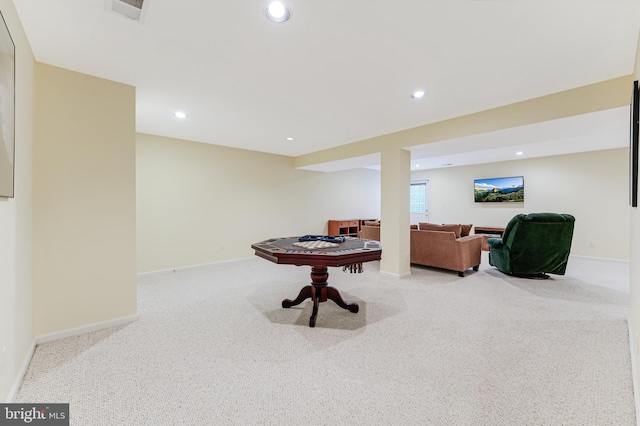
[(290, 138), (519, 153), (180, 114), (417, 94), (417, 166), (277, 12)]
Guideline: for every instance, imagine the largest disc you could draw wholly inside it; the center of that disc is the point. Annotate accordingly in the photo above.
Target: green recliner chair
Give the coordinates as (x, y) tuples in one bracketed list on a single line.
[(533, 245)]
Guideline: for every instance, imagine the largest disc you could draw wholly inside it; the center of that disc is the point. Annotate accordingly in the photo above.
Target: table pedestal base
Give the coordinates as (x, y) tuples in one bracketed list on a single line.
[(319, 292)]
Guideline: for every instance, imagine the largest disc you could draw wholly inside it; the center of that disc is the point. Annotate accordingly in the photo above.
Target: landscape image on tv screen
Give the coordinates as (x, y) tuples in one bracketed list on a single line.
[(499, 190)]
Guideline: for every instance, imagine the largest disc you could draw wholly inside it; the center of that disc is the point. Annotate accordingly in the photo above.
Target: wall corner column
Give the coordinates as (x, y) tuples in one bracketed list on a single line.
[(84, 200), (394, 214)]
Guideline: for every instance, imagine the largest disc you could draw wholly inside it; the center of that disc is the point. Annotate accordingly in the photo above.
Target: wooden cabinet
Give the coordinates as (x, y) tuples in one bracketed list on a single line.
[(347, 228)]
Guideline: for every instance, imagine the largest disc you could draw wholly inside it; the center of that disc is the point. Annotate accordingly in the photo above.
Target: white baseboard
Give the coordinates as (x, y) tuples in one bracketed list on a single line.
[(607, 259), (85, 329), (177, 268), (61, 335), (399, 276), (21, 372), (634, 372)]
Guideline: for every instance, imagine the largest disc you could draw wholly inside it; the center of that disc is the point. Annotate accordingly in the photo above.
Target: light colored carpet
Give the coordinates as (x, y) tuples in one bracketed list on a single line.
[(214, 346)]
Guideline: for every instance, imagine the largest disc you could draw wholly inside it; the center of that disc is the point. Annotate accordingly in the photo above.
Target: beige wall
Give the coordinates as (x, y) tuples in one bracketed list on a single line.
[(84, 200), (199, 203), (185, 190), (16, 249), (592, 186)]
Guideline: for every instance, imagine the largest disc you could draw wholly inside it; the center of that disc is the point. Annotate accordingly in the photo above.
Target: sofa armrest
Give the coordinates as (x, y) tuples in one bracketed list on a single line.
[(499, 255), (469, 250), (471, 243), (469, 238), (495, 243)]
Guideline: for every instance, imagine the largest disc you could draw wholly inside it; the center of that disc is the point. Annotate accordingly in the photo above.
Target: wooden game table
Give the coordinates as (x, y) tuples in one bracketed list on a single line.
[(351, 253)]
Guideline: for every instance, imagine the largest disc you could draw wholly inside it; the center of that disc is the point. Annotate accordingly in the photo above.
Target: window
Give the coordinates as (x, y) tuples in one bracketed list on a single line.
[(418, 197)]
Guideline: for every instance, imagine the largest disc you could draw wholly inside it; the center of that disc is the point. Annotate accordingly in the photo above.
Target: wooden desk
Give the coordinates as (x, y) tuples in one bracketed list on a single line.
[(352, 251), (488, 232)]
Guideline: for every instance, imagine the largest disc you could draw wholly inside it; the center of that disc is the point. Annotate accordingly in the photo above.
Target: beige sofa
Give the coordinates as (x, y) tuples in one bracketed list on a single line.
[(370, 230), (446, 246), (440, 246)]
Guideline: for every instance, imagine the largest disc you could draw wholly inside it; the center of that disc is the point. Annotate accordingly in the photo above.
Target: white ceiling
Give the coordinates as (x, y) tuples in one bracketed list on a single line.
[(343, 70), (588, 132)]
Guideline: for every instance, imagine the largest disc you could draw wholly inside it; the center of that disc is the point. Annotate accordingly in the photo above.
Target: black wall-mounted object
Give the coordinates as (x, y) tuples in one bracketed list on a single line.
[(633, 145)]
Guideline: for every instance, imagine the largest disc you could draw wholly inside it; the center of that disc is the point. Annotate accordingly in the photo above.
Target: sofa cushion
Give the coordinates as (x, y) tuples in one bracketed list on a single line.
[(466, 230), (457, 229), (371, 223)]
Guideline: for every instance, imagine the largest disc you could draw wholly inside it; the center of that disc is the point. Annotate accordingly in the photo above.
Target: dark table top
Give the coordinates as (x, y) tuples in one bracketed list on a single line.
[(352, 250)]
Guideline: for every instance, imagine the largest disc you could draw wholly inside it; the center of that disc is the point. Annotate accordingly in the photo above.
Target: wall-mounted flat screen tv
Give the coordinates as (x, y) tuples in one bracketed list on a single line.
[(499, 190)]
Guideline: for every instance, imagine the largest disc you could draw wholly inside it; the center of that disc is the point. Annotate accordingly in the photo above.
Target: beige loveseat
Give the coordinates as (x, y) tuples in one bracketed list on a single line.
[(370, 230), (440, 246), (446, 246)]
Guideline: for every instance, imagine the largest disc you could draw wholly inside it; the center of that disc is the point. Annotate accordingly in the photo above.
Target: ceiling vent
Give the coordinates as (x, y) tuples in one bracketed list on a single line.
[(132, 9)]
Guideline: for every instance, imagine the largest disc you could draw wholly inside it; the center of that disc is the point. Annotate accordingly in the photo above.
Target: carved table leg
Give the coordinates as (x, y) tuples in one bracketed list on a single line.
[(334, 294), (316, 303), (304, 294), (319, 292)]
